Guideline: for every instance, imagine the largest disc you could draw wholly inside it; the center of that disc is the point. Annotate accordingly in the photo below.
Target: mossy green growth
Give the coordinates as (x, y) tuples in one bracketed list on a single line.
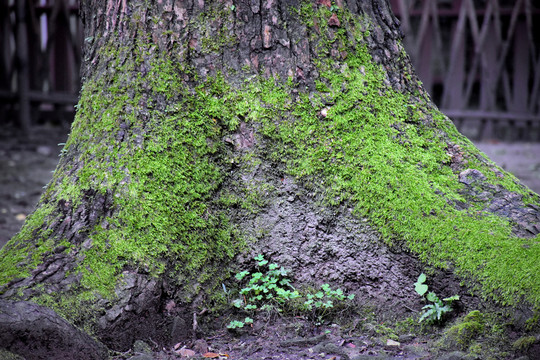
[(164, 177), (386, 153), (533, 323), (523, 343), (464, 332), (7, 355), (16, 253), (215, 27), (159, 171)]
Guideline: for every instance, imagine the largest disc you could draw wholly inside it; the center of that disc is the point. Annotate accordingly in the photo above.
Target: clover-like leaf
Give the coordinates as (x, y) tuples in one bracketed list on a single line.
[(432, 297), (419, 286)]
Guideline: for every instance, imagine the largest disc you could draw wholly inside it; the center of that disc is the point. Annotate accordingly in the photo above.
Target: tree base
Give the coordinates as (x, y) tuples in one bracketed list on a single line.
[(37, 332)]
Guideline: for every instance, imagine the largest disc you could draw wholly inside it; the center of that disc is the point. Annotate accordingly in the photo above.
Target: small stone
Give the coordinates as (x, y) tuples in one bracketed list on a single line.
[(406, 338), (392, 343), (44, 150), (20, 217), (183, 352), (141, 347), (200, 346), (454, 355)]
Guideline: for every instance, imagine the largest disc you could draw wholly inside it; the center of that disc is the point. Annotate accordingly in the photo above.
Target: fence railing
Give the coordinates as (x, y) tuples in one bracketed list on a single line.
[(40, 52), (480, 61)]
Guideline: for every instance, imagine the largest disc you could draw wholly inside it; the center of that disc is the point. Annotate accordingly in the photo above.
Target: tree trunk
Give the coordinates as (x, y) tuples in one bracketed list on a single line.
[(208, 132)]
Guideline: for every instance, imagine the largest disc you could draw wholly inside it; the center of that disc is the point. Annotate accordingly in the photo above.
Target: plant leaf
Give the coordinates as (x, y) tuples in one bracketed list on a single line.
[(451, 298), (432, 297), (421, 289), (419, 286)]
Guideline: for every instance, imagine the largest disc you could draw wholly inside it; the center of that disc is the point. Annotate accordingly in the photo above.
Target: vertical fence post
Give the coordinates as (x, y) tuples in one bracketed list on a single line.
[(22, 68)]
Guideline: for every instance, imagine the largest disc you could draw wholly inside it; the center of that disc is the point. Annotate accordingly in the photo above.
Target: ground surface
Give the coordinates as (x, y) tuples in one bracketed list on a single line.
[(297, 339), (26, 166)]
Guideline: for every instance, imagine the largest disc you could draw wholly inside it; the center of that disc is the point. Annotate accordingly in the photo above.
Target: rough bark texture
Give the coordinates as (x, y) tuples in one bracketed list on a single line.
[(36, 332), (208, 132)]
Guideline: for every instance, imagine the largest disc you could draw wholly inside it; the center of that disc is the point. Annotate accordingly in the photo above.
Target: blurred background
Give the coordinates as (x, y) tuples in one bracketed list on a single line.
[(479, 60)]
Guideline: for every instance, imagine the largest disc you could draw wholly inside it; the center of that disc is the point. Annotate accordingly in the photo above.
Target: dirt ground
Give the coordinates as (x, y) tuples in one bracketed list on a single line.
[(521, 159), (26, 166)]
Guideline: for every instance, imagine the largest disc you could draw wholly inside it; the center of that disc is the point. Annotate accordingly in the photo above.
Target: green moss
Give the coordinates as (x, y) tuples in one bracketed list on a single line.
[(214, 25), (534, 321), (164, 177), (475, 316), (523, 343), (20, 254), (160, 180), (82, 312), (464, 332), (7, 355), (385, 152)]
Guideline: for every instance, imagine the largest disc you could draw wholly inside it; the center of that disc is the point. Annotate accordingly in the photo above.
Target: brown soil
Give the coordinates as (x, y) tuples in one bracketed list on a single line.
[(296, 339)]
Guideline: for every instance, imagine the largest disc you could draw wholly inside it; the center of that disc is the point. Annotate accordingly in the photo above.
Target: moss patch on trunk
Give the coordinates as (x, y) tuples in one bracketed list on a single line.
[(149, 136)]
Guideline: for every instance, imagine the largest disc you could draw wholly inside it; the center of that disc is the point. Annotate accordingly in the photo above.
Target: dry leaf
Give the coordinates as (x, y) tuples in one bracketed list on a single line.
[(210, 355), (177, 346)]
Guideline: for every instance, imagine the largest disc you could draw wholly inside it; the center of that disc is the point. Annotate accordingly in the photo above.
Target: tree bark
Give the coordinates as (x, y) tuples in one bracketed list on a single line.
[(211, 131), (36, 332)]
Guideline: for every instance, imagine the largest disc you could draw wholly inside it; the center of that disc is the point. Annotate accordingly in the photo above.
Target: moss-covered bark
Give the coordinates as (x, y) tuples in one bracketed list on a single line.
[(206, 132)]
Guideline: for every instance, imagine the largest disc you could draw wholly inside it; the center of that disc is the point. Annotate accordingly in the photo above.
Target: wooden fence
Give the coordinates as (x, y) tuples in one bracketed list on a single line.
[(480, 61), (40, 52), (478, 58)]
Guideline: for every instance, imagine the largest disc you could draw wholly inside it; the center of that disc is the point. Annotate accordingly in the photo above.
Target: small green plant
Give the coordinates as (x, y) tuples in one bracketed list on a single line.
[(267, 289), (270, 289), (435, 311), (321, 303), (236, 324), (269, 286)]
